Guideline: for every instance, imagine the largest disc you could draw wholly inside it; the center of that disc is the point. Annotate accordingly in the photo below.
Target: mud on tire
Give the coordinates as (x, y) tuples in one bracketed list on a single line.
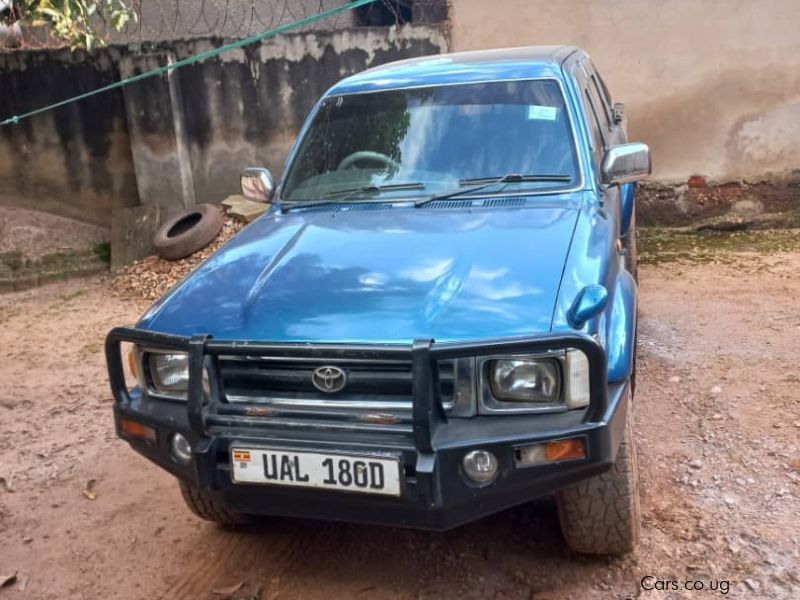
[(207, 509), (602, 515)]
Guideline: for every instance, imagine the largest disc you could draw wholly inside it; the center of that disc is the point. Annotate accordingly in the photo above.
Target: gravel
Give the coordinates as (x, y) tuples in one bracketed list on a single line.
[(151, 277)]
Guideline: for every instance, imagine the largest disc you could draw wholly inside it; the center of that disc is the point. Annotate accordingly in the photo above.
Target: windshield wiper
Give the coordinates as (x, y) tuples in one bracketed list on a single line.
[(388, 187), (332, 197), (485, 182)]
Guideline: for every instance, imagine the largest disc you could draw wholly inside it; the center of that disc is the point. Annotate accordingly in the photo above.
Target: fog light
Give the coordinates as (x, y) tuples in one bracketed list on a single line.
[(480, 466), (181, 449)]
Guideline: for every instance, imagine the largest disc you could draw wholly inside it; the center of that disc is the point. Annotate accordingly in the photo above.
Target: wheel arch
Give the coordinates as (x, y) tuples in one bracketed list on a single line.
[(621, 328)]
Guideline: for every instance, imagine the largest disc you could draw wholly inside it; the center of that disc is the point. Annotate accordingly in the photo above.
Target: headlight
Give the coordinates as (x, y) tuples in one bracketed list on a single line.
[(170, 372), (525, 380)]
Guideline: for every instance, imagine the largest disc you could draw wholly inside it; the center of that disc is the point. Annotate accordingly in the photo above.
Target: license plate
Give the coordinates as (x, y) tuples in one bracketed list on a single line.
[(365, 474)]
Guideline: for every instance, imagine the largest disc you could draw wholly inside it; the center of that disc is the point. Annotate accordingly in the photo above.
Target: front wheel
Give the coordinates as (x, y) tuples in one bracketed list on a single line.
[(602, 515), (206, 508)]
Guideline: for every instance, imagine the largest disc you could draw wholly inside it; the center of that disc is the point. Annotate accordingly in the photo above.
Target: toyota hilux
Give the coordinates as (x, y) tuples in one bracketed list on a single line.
[(435, 320)]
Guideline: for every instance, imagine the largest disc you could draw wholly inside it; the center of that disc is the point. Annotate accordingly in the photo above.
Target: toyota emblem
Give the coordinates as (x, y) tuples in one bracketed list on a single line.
[(329, 379)]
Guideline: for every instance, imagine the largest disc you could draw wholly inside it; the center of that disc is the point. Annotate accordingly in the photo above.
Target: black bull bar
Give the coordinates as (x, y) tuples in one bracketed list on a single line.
[(427, 412)]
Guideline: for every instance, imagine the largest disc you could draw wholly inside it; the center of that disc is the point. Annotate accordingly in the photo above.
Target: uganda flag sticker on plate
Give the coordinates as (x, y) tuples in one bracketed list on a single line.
[(241, 456)]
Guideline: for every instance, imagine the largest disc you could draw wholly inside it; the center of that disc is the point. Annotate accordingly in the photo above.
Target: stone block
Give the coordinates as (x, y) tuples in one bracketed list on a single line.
[(244, 210), (233, 201), (132, 231)]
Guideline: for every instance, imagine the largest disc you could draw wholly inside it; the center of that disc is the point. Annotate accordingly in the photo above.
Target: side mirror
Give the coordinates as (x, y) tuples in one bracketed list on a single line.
[(257, 184), (625, 163)]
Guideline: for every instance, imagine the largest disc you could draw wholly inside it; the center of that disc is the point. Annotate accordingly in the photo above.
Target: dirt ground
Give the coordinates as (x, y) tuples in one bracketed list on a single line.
[(717, 425)]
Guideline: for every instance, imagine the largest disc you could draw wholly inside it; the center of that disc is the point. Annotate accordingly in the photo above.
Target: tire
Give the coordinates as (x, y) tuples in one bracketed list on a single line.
[(205, 508), (602, 515), (188, 232)]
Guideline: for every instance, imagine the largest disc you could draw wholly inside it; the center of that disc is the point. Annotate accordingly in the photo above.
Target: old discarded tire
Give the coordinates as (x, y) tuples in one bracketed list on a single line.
[(188, 232), (601, 515), (207, 509)]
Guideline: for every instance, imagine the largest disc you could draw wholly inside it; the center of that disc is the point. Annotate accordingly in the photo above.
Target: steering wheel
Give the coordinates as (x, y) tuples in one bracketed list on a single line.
[(350, 160)]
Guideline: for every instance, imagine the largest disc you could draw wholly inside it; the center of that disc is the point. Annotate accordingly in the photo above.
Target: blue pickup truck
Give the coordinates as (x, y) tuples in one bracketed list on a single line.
[(434, 321)]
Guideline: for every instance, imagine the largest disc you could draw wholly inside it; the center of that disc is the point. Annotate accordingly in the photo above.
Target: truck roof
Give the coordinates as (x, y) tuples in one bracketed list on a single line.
[(460, 67)]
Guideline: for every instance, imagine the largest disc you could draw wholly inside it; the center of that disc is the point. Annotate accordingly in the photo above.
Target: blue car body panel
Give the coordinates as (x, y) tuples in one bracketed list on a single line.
[(465, 67), (380, 276), (398, 273), (627, 195)]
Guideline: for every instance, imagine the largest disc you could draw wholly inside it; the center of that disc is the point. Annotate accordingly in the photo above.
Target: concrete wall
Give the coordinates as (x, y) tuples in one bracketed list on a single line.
[(712, 85), (191, 137), (74, 161), (174, 140)]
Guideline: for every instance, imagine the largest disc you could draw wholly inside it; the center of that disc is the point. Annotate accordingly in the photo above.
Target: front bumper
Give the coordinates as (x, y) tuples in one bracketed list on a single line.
[(435, 492)]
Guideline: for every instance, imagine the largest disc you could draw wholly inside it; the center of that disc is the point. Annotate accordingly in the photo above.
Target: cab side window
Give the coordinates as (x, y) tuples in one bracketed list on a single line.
[(603, 88), (599, 100), (592, 110)]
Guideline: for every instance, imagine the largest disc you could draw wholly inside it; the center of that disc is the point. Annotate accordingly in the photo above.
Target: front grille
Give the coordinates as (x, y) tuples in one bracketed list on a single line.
[(282, 382)]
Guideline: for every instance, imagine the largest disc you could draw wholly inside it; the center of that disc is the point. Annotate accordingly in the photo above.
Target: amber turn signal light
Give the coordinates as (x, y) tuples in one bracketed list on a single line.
[(570, 449), (132, 363), (137, 430)]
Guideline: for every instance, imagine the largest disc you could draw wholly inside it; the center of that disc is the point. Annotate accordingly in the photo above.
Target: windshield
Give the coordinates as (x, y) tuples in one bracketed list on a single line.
[(411, 143)]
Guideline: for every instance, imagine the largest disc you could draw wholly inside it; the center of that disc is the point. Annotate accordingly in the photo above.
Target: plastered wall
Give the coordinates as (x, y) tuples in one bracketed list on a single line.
[(712, 85), (172, 141)]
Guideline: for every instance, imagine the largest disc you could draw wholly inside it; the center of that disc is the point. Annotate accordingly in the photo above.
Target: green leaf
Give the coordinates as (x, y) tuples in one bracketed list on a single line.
[(80, 23)]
